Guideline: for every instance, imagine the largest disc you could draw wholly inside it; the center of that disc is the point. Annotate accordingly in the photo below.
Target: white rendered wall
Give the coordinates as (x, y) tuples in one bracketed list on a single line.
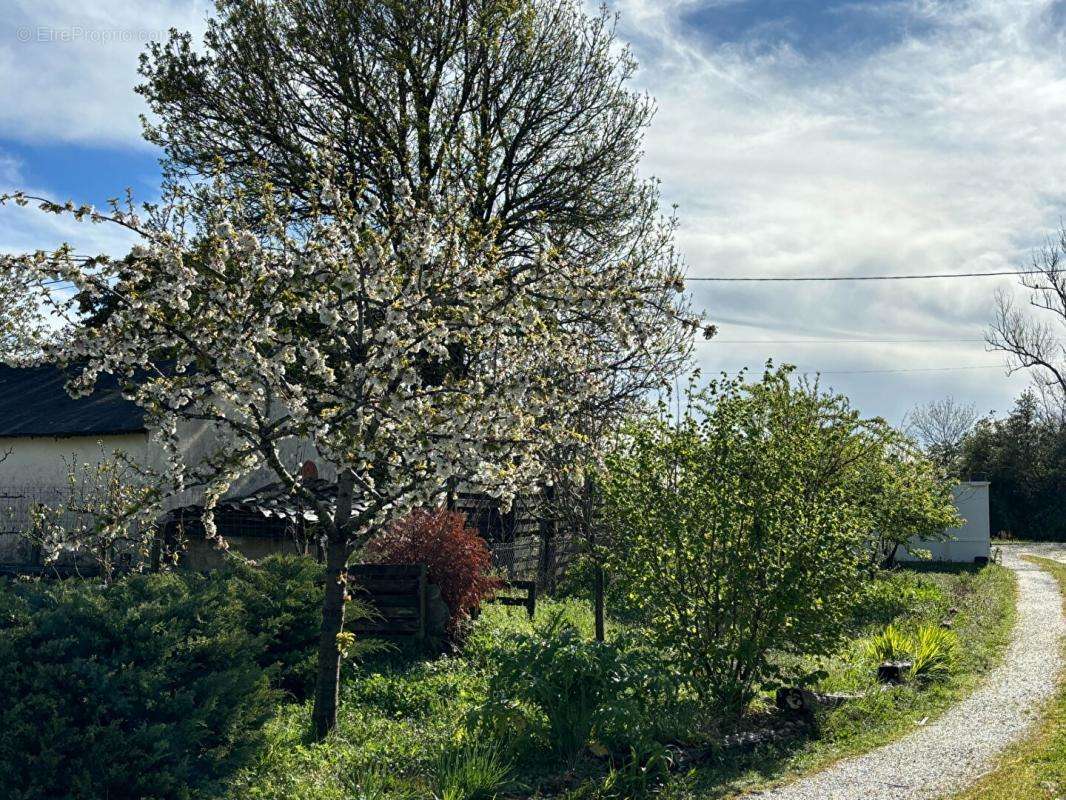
[(971, 540), (44, 462)]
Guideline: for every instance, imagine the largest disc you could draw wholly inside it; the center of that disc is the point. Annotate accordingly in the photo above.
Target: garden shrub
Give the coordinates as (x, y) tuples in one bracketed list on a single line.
[(150, 688), (741, 530), (282, 596), (577, 688), (457, 559), (932, 651)]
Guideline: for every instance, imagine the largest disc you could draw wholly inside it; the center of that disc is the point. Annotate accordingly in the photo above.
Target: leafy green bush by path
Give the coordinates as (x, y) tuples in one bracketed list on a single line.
[(150, 688), (578, 688), (743, 528)]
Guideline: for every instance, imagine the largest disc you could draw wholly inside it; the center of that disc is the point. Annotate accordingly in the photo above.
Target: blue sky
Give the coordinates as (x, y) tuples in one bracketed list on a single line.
[(815, 28), (795, 136)]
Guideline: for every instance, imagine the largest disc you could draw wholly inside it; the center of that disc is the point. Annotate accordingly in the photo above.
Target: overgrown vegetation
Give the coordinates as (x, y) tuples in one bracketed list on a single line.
[(741, 545), (540, 709), (744, 528)]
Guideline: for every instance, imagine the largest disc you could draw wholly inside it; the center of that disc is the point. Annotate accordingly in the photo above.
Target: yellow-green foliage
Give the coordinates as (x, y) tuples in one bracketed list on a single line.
[(935, 652), (892, 644), (932, 651), (742, 529)]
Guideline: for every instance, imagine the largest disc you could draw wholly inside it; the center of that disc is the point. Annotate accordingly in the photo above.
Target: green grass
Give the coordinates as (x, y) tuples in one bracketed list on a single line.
[(404, 725), (1034, 769)]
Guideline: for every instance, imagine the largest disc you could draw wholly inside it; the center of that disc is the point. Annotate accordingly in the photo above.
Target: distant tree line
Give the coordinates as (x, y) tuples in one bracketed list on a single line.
[(1022, 455)]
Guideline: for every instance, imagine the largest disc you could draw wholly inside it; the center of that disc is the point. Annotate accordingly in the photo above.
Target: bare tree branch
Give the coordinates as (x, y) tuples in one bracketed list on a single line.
[(1037, 343), (940, 427)]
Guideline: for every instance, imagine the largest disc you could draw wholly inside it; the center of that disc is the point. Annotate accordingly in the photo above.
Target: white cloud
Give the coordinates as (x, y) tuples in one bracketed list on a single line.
[(28, 229), (938, 152), (69, 68), (933, 154)]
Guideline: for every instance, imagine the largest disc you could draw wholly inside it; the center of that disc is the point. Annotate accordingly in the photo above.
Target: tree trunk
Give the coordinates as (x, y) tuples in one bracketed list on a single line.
[(327, 686), (600, 633), (889, 561), (588, 523)]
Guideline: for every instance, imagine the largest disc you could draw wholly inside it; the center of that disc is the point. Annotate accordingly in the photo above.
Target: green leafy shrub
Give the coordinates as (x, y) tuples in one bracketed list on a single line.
[(150, 688), (737, 531), (576, 687), (282, 597), (473, 770)]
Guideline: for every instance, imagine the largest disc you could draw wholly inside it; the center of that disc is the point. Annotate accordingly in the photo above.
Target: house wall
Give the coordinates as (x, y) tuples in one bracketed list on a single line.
[(39, 461), (199, 440), (36, 469), (972, 539)]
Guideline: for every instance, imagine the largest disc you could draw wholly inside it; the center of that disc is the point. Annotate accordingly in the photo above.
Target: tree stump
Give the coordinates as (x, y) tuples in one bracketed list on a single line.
[(893, 671)]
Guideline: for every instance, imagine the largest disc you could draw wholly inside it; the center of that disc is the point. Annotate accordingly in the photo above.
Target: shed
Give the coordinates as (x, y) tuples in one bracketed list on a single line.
[(972, 540)]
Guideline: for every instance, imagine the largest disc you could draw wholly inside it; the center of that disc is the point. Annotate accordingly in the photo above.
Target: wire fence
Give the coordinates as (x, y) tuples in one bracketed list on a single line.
[(17, 505)]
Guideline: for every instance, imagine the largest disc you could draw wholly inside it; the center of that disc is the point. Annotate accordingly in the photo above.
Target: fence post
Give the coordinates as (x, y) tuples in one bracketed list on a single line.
[(546, 565)]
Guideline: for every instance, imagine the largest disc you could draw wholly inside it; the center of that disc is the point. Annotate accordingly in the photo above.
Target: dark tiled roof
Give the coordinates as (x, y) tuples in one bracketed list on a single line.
[(273, 510), (33, 402)]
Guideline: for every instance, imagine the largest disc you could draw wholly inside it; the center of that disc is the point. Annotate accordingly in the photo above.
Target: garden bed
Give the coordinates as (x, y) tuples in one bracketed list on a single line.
[(417, 729)]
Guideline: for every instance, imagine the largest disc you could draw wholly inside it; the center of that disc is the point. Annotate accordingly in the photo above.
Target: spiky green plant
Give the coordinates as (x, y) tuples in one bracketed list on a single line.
[(892, 644), (470, 771), (934, 652)]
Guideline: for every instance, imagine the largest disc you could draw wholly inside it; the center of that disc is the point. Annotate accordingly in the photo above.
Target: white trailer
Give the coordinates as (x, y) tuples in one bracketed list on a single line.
[(970, 541)]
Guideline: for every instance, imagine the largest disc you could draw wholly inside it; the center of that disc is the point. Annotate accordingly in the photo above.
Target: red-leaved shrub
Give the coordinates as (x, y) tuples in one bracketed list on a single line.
[(457, 559)]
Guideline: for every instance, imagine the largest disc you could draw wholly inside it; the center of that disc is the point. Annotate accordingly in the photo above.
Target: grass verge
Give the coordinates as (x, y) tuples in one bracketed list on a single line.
[(1034, 769)]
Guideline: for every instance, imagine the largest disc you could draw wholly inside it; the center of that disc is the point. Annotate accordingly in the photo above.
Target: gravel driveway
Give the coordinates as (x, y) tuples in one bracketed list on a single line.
[(953, 751)]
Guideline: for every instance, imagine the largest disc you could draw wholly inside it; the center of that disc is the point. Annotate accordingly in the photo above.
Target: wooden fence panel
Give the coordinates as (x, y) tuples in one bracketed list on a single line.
[(397, 593)]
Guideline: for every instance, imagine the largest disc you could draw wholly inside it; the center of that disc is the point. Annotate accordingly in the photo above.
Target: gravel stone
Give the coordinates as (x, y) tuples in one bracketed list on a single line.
[(949, 754)]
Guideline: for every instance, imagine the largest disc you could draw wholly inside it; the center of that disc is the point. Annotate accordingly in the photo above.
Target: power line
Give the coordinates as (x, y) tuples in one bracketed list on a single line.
[(917, 369), (784, 278), (830, 341)]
